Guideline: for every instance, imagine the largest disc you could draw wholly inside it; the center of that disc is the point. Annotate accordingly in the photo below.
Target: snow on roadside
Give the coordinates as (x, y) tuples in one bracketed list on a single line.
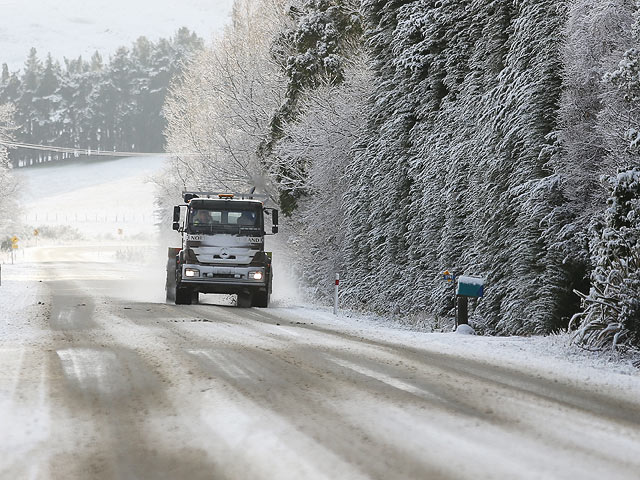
[(552, 357), (25, 418), (23, 301)]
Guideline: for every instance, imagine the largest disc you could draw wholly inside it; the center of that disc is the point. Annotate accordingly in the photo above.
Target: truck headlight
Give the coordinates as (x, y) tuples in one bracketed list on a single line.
[(191, 272), (256, 275)]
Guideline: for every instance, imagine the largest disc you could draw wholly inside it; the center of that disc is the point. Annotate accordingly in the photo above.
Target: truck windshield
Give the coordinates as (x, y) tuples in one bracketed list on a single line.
[(224, 220)]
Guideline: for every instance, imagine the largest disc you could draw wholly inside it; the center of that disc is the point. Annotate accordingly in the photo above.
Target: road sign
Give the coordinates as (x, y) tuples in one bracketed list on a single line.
[(14, 242), (36, 232)]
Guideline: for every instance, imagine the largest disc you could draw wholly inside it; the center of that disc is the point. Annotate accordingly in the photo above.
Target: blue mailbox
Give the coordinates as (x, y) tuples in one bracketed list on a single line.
[(470, 286)]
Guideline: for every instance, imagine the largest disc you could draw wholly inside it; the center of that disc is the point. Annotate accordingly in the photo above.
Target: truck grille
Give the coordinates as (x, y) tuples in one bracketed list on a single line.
[(223, 275)]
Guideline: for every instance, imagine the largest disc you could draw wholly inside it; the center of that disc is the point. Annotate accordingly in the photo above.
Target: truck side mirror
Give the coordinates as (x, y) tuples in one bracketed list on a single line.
[(274, 221), (176, 214), (176, 225)]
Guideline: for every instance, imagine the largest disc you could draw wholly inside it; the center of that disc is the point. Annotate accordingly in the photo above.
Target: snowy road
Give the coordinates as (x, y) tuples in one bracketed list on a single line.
[(108, 382)]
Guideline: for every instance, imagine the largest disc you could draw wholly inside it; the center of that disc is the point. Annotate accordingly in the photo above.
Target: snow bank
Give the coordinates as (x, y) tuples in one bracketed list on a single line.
[(23, 302), (465, 329)]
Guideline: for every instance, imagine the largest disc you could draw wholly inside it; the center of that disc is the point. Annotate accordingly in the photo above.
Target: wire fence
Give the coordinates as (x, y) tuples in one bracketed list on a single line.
[(66, 218)]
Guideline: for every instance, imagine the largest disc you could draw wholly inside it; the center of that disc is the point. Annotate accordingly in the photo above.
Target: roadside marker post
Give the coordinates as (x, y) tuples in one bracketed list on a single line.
[(335, 295)]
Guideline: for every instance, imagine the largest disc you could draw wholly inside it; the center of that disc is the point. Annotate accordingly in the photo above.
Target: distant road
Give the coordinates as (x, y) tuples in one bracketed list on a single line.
[(120, 385)]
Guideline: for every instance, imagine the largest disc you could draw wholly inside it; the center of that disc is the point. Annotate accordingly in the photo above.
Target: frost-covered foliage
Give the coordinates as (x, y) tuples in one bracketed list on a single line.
[(620, 117), (626, 79), (322, 139), (8, 184), (312, 51), (112, 105), (220, 110), (594, 33), (611, 310)]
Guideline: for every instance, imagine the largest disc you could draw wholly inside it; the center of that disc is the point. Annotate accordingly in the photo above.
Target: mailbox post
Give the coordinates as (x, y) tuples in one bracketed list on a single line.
[(467, 287)]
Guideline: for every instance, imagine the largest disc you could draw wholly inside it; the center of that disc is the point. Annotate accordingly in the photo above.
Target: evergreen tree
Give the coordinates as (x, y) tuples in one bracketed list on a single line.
[(47, 102), (26, 115)]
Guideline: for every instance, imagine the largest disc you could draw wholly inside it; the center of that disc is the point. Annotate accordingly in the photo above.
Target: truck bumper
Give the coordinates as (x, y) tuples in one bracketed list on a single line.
[(223, 279)]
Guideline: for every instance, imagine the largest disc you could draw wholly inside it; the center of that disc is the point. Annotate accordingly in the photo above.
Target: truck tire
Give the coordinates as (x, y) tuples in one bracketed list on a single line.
[(184, 296), (261, 299), (244, 300)]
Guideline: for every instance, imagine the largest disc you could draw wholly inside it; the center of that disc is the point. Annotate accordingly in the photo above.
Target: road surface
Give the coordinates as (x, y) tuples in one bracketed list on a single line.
[(119, 385)]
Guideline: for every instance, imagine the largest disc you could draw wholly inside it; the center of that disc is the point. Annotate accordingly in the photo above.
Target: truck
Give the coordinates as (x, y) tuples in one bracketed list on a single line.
[(222, 248)]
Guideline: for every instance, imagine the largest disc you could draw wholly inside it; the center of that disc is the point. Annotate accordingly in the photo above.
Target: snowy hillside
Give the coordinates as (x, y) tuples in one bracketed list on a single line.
[(96, 198), (76, 27)]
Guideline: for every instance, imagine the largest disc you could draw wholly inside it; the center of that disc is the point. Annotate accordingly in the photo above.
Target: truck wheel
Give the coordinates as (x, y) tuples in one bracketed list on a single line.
[(244, 300), (184, 296), (261, 299)]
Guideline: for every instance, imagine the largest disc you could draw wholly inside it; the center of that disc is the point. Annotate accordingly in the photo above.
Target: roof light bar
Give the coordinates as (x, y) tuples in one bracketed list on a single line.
[(187, 196)]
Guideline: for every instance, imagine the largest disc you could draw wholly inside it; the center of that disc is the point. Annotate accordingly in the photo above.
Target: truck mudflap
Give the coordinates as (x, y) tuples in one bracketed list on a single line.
[(172, 265)]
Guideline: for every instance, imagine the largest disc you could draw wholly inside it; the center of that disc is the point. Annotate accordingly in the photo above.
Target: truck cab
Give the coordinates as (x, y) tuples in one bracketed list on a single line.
[(222, 248)]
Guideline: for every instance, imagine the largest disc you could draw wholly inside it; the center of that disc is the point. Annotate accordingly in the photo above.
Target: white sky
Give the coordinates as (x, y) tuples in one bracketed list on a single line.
[(68, 28)]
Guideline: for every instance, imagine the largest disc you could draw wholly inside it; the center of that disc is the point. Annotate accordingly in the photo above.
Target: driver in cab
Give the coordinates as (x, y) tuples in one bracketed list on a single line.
[(247, 218), (202, 217)]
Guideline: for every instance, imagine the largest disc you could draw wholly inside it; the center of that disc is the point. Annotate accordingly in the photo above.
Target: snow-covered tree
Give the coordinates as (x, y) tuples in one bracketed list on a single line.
[(312, 49), (220, 109), (611, 309), (585, 146), (593, 33), (322, 140), (624, 111)]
